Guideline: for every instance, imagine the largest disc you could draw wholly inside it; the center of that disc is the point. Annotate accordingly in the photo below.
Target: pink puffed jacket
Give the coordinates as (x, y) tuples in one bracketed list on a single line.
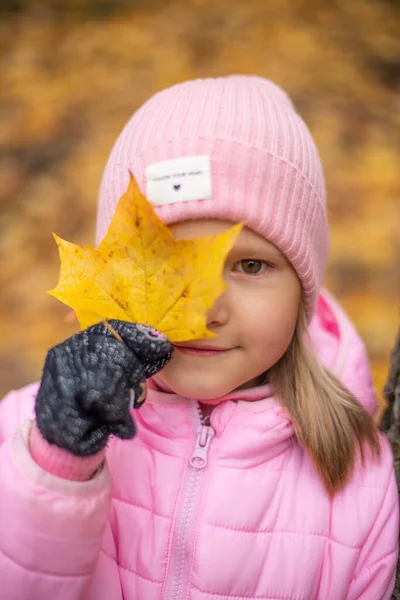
[(233, 510)]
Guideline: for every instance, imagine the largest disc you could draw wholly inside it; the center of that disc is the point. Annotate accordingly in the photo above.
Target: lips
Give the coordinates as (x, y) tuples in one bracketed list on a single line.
[(200, 351)]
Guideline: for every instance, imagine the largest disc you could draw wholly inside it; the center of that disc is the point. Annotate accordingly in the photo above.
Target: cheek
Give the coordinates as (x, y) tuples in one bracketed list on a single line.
[(271, 337), (270, 321)]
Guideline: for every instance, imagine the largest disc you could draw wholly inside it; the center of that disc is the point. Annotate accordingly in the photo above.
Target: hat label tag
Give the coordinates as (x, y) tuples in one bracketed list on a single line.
[(179, 180)]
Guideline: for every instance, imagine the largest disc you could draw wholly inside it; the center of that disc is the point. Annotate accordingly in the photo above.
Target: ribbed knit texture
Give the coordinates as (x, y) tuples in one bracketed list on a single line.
[(61, 463), (265, 167)]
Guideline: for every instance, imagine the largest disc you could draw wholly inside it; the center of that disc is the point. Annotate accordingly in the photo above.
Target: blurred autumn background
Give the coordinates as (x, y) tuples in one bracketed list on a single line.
[(72, 72)]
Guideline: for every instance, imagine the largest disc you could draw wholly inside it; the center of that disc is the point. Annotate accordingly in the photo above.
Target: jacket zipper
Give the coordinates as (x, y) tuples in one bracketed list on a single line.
[(180, 558)]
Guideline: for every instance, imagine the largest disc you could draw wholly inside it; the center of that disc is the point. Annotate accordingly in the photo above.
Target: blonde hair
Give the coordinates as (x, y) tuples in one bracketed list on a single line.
[(329, 421)]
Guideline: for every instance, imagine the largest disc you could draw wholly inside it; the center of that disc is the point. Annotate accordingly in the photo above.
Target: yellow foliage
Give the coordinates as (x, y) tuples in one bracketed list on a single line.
[(72, 78), (141, 274)]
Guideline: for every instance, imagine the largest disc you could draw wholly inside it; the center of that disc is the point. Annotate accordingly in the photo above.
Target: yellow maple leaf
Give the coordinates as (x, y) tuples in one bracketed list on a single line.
[(141, 274)]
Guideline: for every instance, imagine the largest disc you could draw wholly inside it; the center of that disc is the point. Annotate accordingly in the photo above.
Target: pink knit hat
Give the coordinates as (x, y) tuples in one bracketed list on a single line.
[(231, 148)]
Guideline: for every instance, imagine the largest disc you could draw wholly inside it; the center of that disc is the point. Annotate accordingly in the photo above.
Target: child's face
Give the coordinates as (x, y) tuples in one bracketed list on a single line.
[(254, 319)]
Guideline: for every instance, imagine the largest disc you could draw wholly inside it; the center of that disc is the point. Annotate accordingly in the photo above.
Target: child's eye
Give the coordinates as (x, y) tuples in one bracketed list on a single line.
[(251, 266)]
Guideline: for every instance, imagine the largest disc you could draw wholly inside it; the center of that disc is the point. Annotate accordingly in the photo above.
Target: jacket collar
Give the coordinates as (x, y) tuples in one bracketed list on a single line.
[(247, 433)]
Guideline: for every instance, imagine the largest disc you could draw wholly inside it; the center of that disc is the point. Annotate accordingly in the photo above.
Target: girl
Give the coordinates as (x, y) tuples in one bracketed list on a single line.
[(255, 472)]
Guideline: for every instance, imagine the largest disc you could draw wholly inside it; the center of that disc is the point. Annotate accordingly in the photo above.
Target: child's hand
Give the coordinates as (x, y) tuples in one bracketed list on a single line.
[(85, 392)]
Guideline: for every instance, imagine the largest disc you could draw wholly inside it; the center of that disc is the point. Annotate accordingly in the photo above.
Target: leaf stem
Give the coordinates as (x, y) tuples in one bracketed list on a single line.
[(112, 330)]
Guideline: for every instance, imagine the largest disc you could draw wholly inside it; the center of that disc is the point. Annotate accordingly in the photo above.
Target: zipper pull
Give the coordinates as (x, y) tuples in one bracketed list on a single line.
[(205, 434)]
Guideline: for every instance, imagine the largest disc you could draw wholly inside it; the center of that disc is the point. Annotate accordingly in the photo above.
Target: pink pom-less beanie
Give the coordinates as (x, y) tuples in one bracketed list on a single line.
[(232, 148)]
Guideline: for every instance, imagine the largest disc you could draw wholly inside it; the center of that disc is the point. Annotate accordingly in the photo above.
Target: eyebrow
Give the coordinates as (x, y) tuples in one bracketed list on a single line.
[(257, 245)]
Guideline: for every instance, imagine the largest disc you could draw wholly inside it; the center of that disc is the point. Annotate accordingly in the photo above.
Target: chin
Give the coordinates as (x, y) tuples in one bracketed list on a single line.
[(196, 390)]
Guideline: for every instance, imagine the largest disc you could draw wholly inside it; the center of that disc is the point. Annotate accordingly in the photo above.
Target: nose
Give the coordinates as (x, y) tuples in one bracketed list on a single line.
[(218, 314)]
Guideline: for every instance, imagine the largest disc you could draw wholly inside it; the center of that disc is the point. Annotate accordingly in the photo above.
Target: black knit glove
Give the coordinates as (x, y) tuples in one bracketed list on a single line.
[(91, 381)]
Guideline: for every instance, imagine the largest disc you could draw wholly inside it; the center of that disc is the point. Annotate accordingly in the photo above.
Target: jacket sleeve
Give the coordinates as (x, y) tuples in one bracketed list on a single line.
[(375, 572), (50, 528)]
